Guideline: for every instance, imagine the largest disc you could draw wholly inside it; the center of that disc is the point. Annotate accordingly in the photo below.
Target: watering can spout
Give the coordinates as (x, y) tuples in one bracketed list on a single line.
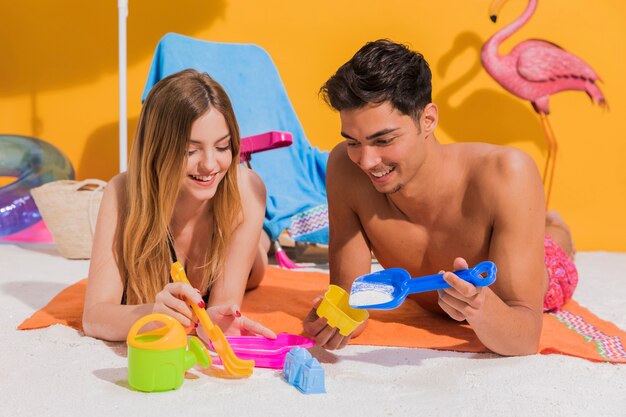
[(196, 354)]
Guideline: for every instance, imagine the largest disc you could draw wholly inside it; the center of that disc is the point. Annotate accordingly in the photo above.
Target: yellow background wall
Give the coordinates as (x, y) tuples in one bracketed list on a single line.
[(58, 78)]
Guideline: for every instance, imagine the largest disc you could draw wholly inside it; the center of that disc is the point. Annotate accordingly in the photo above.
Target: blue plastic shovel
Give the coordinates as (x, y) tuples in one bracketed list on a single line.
[(387, 289)]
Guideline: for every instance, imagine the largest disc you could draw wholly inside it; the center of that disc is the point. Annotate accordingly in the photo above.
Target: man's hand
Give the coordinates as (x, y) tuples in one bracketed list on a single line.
[(463, 300), (324, 335)]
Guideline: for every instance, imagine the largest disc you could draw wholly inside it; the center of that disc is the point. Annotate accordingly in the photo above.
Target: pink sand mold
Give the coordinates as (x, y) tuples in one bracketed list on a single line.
[(267, 353), (304, 372)]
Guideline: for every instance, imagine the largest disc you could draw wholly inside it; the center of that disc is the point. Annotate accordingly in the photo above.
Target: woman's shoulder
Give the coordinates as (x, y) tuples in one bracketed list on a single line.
[(250, 182), (118, 181), (115, 190)]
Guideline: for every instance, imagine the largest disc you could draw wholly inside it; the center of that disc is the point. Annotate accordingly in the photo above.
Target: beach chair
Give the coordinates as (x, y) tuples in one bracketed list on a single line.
[(295, 175)]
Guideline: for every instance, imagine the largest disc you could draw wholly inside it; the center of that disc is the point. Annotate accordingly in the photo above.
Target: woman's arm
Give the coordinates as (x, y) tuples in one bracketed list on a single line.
[(104, 316), (228, 291), (231, 285)]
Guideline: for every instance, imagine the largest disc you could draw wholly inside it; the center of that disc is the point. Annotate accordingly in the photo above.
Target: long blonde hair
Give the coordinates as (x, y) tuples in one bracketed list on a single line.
[(155, 169)]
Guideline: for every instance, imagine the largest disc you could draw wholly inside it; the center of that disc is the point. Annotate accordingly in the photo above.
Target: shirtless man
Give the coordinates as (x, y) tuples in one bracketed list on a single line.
[(396, 192)]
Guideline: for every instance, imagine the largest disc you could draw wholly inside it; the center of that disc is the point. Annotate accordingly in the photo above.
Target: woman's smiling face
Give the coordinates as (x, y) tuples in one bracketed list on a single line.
[(209, 155)]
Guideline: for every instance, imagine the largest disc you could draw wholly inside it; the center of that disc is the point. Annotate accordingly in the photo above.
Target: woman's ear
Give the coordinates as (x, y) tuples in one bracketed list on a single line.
[(429, 118)]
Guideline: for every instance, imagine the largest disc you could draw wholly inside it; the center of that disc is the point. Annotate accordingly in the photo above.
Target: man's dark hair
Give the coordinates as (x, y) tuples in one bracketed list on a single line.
[(381, 71)]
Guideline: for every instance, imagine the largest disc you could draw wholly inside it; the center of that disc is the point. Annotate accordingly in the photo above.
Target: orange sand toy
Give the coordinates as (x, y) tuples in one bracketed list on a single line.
[(232, 364)]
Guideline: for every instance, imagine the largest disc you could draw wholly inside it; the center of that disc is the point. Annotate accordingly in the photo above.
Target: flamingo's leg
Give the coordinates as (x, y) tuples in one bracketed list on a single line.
[(548, 173), (546, 133)]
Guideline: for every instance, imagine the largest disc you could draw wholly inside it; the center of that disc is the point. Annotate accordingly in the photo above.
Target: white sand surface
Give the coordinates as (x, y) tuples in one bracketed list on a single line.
[(58, 372)]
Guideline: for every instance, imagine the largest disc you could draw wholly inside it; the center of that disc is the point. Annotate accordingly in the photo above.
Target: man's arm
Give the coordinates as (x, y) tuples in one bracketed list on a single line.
[(349, 252), (507, 317)]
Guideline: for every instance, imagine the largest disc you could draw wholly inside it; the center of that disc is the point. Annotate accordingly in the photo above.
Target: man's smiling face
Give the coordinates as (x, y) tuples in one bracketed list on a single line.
[(386, 144)]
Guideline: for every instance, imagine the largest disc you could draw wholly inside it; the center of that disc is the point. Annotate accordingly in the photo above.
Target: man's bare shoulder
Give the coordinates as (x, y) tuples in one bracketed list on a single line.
[(338, 159), (341, 170), (485, 161), (345, 181), (502, 172)]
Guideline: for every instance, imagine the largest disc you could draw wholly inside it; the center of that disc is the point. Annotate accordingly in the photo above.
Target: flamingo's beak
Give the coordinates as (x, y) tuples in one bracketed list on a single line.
[(494, 9)]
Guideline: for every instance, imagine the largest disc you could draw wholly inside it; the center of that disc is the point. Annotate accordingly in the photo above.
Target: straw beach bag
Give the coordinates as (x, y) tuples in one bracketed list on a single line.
[(70, 210)]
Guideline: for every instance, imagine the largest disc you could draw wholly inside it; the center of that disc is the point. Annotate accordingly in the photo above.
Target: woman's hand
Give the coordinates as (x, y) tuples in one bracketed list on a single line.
[(232, 323), (171, 300)]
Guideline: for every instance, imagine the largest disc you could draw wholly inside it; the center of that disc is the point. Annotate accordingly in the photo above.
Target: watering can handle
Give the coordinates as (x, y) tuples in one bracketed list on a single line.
[(158, 317)]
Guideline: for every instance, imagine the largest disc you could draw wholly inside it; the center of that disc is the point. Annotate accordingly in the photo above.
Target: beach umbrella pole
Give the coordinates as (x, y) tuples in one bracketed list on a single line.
[(122, 6)]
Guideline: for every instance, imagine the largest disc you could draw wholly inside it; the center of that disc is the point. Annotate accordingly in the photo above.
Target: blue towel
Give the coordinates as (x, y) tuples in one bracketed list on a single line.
[(295, 176)]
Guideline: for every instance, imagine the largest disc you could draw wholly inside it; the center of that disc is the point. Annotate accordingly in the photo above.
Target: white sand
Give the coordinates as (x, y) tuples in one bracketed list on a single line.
[(373, 295), (369, 298), (56, 372)]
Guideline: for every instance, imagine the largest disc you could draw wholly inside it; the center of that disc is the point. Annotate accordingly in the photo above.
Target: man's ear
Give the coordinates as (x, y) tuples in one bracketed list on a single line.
[(429, 118)]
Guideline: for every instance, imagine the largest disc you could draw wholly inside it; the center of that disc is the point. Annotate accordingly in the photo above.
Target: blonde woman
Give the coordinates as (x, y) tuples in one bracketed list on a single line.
[(185, 197)]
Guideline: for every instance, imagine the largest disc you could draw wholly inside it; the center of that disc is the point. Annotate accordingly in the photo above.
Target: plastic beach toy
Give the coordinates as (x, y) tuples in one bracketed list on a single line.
[(339, 314), (32, 162), (387, 289), (232, 364), (158, 359), (304, 372), (267, 353)]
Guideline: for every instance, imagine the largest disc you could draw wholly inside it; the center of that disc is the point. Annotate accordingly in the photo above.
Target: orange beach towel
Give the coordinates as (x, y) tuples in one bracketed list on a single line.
[(284, 298)]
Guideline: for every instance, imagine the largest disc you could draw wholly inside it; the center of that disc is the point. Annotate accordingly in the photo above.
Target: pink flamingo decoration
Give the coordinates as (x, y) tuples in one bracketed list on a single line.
[(534, 70)]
